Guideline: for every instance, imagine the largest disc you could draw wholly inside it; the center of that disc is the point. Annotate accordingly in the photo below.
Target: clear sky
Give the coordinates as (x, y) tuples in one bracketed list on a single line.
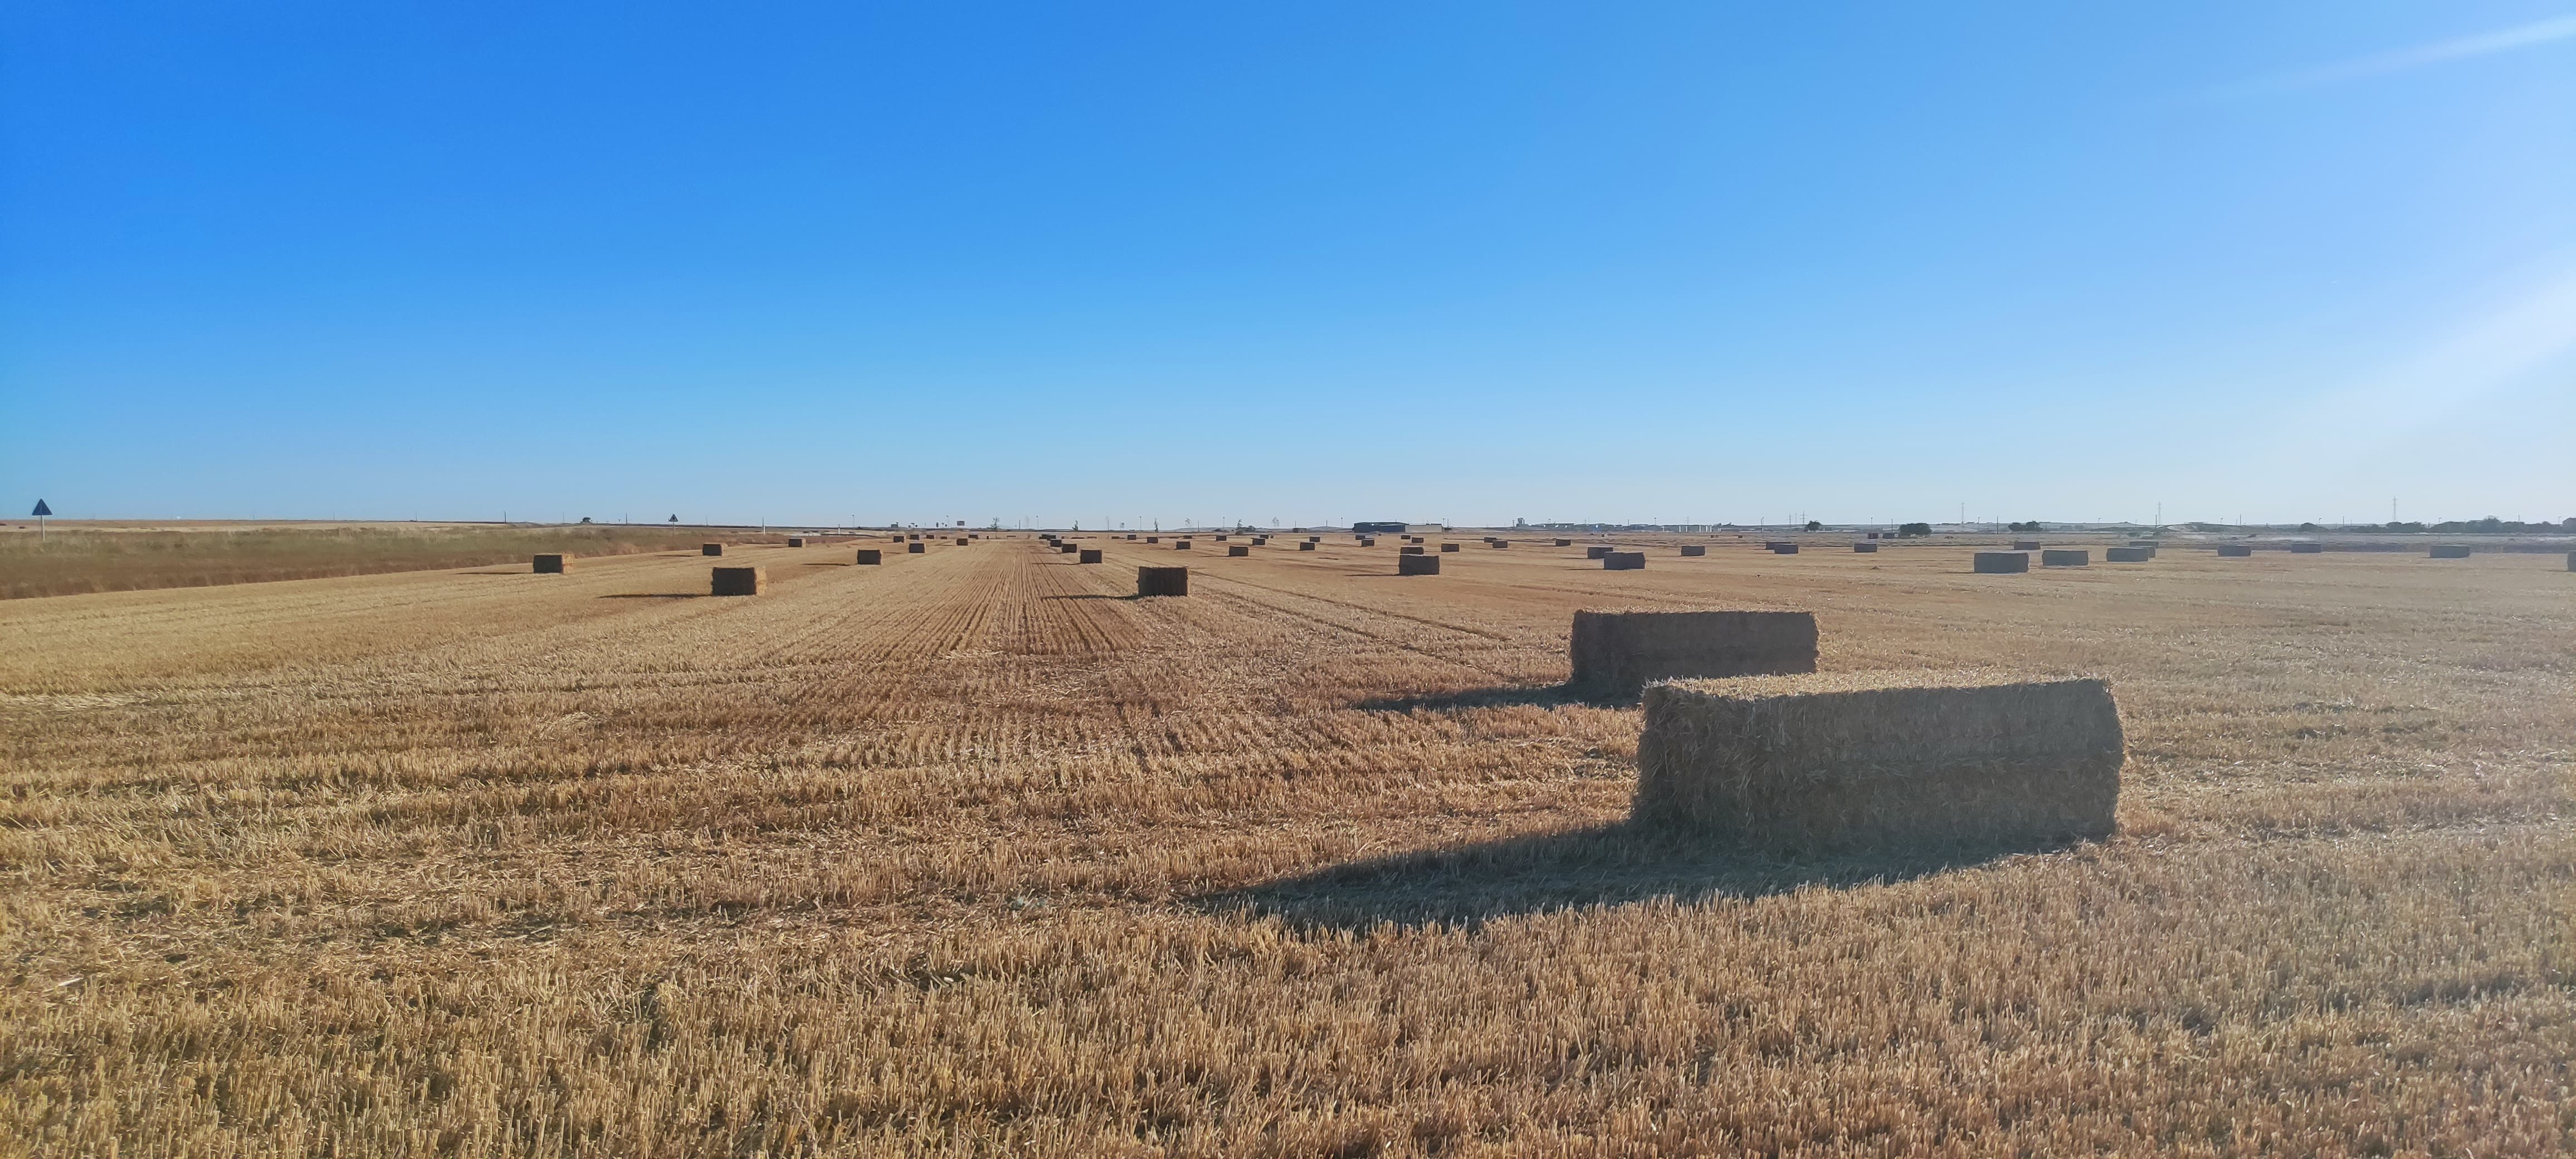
[(1311, 261)]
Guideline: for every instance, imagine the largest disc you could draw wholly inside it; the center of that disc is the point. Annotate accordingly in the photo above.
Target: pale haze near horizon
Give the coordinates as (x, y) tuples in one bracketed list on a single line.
[(1168, 264)]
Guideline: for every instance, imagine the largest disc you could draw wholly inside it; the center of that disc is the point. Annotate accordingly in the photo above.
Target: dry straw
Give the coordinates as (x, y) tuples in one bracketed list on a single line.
[(1842, 761), (550, 564), (737, 581), (1621, 652)]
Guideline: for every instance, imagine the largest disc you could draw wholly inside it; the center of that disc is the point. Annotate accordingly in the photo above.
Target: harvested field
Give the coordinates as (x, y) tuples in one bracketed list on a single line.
[(972, 854), (139, 557)]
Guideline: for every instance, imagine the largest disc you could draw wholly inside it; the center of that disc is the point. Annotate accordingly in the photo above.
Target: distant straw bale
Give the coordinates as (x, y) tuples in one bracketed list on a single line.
[(2128, 554), (1596, 551), (1694, 549), (1624, 561), (1409, 549), (1864, 546), (796, 541), (2306, 547), (2002, 562), (916, 548), (1420, 564), (1308, 545), (1239, 549), (550, 564), (710, 549), (1841, 761), (2065, 557), (1089, 555), (1448, 547), (2235, 550), (2025, 545), (871, 555), (1183, 545), (1565, 543), (2450, 551), (1621, 652)]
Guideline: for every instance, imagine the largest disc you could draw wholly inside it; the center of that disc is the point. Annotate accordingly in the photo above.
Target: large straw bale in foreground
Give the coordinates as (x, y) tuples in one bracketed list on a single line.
[(1162, 581), (737, 581), (1622, 652), (550, 564), (1844, 761)]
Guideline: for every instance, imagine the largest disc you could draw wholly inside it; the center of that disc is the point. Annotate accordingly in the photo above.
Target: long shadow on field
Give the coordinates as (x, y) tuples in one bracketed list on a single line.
[(1127, 597), (1601, 865), (655, 596), (1501, 696)]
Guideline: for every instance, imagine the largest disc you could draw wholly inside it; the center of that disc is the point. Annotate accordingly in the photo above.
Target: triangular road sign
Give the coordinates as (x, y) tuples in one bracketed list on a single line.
[(41, 510)]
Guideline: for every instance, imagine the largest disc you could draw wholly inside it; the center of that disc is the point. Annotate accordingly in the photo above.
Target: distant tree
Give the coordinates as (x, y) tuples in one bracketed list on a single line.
[(585, 519), (2030, 525), (1910, 530), (1815, 525), (2307, 527), (675, 519)]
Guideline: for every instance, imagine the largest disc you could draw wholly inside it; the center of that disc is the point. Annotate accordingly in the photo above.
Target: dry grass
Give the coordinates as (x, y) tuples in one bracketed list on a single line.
[(80, 559), (968, 854)]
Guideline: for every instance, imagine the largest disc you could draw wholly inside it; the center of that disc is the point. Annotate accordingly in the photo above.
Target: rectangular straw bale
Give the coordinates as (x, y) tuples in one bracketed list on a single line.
[(1784, 549), (1368, 541), (2450, 551), (1448, 547), (796, 541), (710, 549), (1596, 551), (2128, 554), (1565, 543), (2235, 550), (1622, 652), (1864, 546), (737, 581), (1067, 548), (871, 555), (1162, 581), (2025, 545), (916, 548), (2306, 547), (1501, 544), (1624, 561), (1409, 549), (2066, 557), (1239, 549), (961, 543), (1153, 539), (1182, 545), (1417, 564), (2002, 562), (2571, 561), (1309, 545), (1694, 549), (1089, 555), (549, 565), (1840, 761)]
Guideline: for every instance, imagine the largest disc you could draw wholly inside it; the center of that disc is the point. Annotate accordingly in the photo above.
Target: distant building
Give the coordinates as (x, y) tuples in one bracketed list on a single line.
[(1396, 528)]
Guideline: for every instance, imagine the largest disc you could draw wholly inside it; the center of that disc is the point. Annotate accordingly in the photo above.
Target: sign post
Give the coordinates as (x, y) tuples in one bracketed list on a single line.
[(40, 513)]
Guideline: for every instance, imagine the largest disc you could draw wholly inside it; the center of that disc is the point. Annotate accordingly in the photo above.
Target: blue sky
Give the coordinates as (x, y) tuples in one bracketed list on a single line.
[(1315, 262)]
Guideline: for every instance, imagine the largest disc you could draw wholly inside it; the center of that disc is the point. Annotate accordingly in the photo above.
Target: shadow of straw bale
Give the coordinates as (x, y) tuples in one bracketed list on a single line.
[(1501, 696), (1092, 597), (1621, 863), (655, 596)]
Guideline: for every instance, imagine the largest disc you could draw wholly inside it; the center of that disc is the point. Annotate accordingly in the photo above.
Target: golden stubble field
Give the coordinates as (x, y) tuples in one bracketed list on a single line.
[(966, 855)]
